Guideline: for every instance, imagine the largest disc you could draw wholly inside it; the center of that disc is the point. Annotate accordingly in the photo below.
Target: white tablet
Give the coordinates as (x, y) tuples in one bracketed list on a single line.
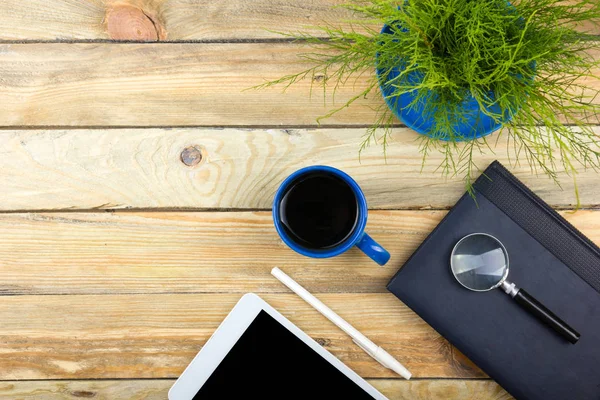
[(256, 353)]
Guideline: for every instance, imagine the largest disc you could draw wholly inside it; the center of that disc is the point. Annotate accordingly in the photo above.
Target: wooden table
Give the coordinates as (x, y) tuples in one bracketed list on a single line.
[(135, 187)]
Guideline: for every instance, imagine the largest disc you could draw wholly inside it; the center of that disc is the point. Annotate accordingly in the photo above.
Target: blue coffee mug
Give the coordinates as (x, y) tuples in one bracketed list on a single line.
[(358, 237)]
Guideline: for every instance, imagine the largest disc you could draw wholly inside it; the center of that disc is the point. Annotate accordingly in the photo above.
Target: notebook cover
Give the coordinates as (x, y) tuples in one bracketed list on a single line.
[(549, 258)]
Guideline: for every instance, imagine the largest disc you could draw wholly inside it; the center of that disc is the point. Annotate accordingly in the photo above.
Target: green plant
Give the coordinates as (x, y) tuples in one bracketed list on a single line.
[(488, 49)]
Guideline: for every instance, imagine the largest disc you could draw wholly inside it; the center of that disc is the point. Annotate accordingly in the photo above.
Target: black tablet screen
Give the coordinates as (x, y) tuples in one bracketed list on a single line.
[(270, 362)]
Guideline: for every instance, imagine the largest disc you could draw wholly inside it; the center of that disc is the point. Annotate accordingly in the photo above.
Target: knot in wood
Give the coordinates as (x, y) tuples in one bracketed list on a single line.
[(192, 156), (126, 22), (83, 393)]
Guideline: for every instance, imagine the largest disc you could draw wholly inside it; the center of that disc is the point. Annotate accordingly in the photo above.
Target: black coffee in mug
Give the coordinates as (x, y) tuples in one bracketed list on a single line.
[(319, 210)]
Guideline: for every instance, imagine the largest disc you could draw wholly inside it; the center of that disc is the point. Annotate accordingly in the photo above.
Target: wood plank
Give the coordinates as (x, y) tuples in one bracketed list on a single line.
[(196, 253), (161, 85), (103, 253), (156, 336), (181, 84), (78, 253), (177, 19), (393, 389), (166, 20), (240, 169)]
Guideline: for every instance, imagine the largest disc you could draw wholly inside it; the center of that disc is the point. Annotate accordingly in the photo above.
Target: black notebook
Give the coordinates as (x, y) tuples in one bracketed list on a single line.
[(549, 258)]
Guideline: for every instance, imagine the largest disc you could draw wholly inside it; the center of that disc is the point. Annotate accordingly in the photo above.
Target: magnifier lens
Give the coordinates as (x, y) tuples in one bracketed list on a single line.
[(479, 262)]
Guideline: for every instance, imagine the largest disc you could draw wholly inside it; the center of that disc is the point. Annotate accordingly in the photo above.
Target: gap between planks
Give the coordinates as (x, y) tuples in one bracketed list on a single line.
[(249, 210), (117, 42), (311, 127)]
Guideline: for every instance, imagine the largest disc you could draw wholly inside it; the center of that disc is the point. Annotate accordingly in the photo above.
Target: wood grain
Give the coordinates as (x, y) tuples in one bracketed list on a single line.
[(393, 389), (178, 20), (231, 168), (212, 252), (156, 336), (162, 85), (136, 294), (183, 84)]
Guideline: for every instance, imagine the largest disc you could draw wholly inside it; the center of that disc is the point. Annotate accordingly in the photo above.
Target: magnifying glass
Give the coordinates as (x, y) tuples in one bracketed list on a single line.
[(479, 262)]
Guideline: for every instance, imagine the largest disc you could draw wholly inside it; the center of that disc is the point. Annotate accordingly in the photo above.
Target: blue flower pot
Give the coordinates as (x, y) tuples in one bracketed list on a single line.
[(476, 124)]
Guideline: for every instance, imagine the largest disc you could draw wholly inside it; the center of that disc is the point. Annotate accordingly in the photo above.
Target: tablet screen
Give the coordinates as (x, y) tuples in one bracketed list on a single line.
[(270, 362)]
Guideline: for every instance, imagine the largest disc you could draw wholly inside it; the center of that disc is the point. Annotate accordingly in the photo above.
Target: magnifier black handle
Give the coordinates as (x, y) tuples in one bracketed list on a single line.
[(546, 316)]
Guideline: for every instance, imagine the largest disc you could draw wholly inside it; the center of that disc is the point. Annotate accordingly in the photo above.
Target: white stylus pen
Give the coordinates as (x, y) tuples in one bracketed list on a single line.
[(379, 354)]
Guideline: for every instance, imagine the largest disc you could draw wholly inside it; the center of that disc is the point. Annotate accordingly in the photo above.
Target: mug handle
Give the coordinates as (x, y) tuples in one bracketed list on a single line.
[(373, 249)]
